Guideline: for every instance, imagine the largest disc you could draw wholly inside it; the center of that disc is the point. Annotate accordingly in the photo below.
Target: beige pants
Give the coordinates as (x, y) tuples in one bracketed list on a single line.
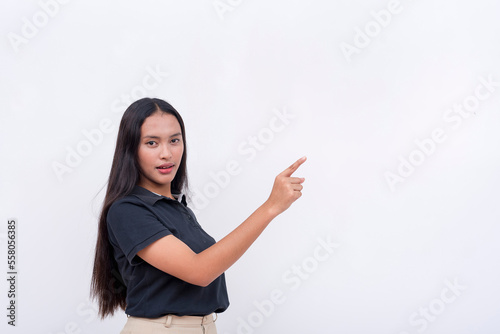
[(171, 324)]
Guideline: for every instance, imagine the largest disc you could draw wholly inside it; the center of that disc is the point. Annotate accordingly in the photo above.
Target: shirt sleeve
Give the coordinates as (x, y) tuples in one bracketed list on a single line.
[(133, 227)]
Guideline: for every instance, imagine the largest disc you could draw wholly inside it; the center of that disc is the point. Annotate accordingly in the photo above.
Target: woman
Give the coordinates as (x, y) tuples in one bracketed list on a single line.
[(152, 258)]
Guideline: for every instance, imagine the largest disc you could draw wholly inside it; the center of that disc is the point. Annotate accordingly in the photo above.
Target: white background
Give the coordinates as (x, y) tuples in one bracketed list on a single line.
[(229, 72)]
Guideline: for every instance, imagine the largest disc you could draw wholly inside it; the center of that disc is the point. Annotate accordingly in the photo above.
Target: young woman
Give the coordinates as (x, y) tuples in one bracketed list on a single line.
[(152, 258)]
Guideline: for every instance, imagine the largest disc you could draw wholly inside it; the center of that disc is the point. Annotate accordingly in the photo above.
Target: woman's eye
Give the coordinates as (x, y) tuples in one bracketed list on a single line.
[(176, 140), (150, 143)]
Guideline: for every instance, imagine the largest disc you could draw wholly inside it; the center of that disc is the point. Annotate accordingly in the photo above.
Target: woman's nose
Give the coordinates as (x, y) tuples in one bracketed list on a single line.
[(165, 152)]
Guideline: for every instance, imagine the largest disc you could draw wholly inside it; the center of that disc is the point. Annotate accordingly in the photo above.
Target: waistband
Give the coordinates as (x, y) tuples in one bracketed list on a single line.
[(169, 320)]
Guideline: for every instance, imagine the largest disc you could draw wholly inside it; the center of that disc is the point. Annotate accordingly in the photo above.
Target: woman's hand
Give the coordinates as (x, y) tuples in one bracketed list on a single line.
[(286, 189)]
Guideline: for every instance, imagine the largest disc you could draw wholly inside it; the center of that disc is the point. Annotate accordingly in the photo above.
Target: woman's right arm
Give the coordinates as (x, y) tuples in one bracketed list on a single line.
[(202, 268)]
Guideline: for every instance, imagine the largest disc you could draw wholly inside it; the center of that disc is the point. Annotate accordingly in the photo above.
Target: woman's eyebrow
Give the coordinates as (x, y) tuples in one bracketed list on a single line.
[(158, 137)]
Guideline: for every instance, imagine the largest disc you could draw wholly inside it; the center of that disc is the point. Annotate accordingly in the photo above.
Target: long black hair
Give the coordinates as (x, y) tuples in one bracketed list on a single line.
[(107, 284)]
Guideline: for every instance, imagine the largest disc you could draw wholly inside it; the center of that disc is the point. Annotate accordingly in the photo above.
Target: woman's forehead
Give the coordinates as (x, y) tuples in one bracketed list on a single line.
[(160, 124)]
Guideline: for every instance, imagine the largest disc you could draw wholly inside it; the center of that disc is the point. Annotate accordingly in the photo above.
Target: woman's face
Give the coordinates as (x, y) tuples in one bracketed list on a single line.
[(160, 152)]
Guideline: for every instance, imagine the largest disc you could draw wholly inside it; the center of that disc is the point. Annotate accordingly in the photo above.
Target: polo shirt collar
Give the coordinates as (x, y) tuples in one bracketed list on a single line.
[(151, 198)]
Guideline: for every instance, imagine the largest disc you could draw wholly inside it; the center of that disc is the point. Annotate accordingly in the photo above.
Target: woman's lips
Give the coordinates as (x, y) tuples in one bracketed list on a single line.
[(165, 169)]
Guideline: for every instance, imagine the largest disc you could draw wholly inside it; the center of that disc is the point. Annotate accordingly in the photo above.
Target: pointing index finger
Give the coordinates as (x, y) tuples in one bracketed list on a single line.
[(290, 170)]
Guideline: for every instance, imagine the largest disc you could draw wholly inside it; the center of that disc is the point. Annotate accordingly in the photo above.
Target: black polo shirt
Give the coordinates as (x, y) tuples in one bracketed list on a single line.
[(135, 222)]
